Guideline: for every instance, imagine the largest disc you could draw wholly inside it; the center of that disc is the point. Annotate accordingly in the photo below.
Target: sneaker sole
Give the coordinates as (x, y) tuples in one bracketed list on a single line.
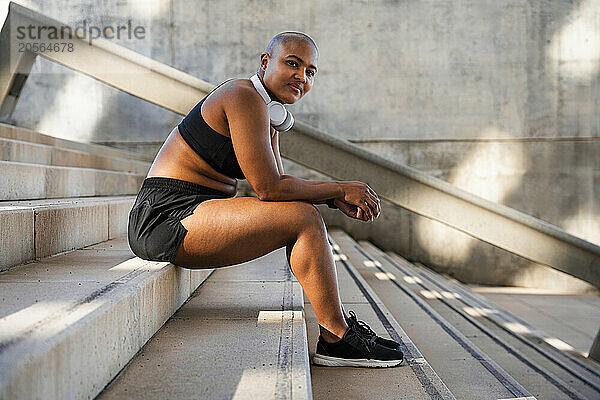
[(328, 361)]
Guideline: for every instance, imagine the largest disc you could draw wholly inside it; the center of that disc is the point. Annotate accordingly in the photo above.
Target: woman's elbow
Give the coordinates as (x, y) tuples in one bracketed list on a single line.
[(267, 193)]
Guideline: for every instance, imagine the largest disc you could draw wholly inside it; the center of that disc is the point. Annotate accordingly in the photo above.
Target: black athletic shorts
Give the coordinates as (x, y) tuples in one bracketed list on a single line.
[(155, 231)]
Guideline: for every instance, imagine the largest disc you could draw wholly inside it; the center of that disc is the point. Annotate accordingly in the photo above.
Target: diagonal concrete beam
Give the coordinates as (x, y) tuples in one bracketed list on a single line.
[(103, 60), (406, 187)]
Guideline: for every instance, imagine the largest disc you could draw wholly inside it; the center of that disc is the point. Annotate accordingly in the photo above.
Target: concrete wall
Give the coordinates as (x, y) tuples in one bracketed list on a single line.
[(429, 69), (499, 98)]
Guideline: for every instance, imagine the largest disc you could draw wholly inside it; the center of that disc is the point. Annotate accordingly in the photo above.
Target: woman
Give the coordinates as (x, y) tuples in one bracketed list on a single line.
[(185, 212)]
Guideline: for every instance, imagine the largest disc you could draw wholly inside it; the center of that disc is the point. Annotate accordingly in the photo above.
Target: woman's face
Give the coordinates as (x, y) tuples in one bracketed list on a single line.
[(290, 70)]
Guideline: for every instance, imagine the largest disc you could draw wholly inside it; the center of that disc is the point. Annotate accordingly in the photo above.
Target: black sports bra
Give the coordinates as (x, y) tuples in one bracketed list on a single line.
[(214, 148)]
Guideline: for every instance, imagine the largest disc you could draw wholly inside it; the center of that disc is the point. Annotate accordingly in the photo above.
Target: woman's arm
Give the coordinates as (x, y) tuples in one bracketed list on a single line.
[(326, 189), (246, 114), (275, 147)]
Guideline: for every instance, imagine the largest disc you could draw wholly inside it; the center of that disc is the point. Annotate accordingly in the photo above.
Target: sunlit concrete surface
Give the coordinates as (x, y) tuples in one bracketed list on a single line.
[(69, 323), (491, 170), (575, 47), (12, 132), (75, 112), (571, 320), (412, 279), (240, 336)]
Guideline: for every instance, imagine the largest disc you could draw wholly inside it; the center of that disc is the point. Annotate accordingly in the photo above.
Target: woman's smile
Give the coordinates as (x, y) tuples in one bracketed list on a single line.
[(296, 88)]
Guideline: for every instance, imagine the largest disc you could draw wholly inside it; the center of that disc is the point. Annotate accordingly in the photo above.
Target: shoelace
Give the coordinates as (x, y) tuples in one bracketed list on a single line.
[(361, 326), (359, 339)]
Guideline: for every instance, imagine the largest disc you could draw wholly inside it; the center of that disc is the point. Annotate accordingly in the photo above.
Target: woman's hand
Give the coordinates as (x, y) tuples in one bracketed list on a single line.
[(359, 201), (351, 210)]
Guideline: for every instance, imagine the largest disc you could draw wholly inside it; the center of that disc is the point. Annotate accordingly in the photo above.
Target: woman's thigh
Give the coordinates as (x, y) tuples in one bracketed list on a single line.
[(223, 232)]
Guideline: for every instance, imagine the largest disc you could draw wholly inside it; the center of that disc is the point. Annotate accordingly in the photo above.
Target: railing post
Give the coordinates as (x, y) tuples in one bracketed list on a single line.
[(595, 350), (14, 70)]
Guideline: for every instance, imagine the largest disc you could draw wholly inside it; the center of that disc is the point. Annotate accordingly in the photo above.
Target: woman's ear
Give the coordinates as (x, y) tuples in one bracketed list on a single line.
[(264, 60)]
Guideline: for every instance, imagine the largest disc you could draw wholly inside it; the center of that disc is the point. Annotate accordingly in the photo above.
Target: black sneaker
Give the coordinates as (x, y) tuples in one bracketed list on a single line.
[(356, 349), (366, 330)]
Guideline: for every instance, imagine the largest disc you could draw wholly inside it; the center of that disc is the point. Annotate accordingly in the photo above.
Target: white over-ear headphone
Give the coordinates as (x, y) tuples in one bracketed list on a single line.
[(281, 119)]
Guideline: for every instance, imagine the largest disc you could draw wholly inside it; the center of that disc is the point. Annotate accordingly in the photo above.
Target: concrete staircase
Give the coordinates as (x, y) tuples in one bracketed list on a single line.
[(479, 350), (82, 317), (76, 305)]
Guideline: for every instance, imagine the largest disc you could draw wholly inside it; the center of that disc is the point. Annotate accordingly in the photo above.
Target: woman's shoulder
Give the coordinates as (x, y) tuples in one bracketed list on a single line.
[(236, 90), (239, 86)]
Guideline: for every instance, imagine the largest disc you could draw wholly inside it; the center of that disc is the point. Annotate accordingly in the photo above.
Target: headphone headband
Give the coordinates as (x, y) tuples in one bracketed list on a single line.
[(260, 88), (280, 118)]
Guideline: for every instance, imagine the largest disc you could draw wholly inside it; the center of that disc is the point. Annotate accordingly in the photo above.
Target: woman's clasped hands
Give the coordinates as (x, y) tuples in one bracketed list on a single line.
[(359, 201)]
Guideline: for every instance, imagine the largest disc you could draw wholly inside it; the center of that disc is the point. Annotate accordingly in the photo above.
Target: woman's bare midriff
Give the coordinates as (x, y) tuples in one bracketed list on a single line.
[(177, 160)]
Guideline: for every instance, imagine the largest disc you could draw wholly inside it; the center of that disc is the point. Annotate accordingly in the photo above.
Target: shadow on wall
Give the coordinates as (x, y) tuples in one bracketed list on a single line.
[(571, 61), (565, 78)]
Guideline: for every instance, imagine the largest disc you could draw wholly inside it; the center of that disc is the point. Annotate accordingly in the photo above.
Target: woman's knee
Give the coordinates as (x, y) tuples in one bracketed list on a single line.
[(306, 214)]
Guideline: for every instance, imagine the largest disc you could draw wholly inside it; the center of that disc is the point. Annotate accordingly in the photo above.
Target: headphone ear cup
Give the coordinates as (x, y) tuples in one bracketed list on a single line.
[(279, 117), (277, 113), (287, 124)]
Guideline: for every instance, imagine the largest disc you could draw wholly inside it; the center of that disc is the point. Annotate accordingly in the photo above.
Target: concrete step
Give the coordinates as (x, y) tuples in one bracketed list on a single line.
[(36, 229), (27, 135), (572, 318), (544, 376), (25, 181), (241, 335), (467, 371), (35, 153), (69, 323), (582, 373), (414, 379)]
